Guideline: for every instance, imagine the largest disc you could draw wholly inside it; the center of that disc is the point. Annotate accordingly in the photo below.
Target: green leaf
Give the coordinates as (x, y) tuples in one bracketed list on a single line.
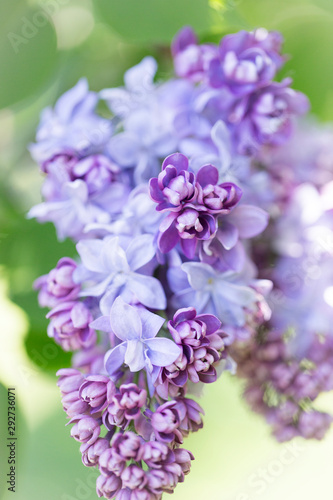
[(28, 50), (153, 20)]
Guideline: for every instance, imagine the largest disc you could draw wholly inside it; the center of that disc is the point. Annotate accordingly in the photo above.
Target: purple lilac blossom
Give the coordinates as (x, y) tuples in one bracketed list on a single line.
[(57, 286), (192, 60), (97, 391), (69, 326), (282, 388), (266, 117), (193, 202), (246, 61), (201, 344)]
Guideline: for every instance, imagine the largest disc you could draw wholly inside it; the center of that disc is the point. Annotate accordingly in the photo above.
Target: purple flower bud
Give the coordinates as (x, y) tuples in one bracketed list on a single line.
[(97, 171), (69, 326), (69, 380), (111, 462), (130, 399), (165, 422), (69, 383), (314, 424), (183, 458), (97, 390), (73, 404), (156, 454), (189, 412), (108, 486), (127, 445), (57, 286), (86, 429), (133, 477), (190, 59), (91, 453), (137, 494), (113, 416), (165, 479)]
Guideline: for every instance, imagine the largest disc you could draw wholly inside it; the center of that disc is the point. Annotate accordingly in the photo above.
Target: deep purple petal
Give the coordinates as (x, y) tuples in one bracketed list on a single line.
[(178, 160), (208, 174)]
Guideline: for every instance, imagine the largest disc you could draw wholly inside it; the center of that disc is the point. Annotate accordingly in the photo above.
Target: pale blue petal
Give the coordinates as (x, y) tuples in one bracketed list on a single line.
[(227, 234), (113, 256), (98, 289), (199, 274), (162, 351), (114, 358), (125, 320), (108, 299), (249, 220), (151, 323), (147, 290), (90, 253), (102, 323), (140, 78), (134, 356), (140, 251)]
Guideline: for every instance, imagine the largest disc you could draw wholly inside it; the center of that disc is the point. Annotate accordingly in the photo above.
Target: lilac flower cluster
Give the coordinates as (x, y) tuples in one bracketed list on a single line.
[(140, 455), (203, 245)]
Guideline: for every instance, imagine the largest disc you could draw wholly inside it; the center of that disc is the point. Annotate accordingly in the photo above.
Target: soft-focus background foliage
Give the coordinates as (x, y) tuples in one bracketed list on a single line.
[(45, 47)]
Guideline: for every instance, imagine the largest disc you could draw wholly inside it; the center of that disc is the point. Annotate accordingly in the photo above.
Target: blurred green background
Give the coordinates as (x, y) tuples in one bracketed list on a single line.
[(45, 47)]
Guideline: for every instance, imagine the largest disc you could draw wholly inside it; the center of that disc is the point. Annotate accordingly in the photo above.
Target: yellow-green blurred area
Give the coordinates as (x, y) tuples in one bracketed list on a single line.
[(45, 47)]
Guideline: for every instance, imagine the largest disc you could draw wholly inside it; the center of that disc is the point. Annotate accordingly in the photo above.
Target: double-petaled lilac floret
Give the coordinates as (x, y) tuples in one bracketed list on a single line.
[(266, 117), (86, 429), (192, 60), (97, 391), (165, 422), (91, 453), (126, 445), (156, 454), (58, 286), (193, 203), (174, 186), (134, 477), (110, 462), (97, 171), (125, 406), (137, 328), (200, 344), (130, 399), (108, 486), (246, 61), (190, 415), (69, 326), (70, 381)]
